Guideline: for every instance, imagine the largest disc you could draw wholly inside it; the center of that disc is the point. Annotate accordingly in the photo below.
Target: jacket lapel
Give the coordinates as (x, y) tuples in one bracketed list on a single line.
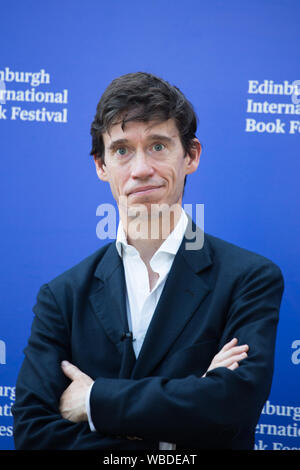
[(184, 290), (109, 305)]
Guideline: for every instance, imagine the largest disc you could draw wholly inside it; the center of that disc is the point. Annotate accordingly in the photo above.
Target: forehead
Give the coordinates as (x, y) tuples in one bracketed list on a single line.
[(139, 130)]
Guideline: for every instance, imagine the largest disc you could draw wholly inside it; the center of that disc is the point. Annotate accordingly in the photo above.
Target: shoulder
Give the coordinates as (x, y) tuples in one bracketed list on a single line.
[(239, 260), (77, 279)]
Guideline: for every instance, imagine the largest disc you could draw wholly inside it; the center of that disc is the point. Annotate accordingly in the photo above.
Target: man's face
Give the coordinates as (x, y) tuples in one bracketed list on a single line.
[(145, 162)]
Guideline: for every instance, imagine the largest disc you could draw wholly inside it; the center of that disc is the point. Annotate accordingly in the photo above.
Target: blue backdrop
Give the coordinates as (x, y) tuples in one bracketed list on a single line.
[(236, 61)]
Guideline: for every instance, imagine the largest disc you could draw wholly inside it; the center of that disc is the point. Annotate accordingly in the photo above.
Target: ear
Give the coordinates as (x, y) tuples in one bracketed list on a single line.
[(193, 157), (100, 168)]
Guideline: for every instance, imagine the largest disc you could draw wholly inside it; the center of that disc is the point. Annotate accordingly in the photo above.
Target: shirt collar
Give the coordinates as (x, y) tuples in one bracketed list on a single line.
[(170, 245)]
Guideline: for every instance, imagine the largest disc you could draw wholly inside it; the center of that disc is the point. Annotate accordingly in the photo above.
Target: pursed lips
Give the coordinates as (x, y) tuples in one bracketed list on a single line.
[(143, 189)]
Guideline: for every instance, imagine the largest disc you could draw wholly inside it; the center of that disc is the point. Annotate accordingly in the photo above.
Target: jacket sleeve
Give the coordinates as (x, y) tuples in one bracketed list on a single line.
[(211, 409), (37, 420)]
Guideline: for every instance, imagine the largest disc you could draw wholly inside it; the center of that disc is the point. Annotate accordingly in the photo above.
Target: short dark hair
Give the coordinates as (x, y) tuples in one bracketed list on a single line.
[(143, 97)]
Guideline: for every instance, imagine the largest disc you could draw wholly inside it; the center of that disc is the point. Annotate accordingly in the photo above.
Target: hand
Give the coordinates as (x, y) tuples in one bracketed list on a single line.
[(229, 356), (72, 402)]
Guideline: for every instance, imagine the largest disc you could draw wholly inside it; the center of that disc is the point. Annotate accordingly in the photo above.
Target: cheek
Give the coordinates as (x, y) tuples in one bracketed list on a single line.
[(166, 171), (173, 174), (118, 181)]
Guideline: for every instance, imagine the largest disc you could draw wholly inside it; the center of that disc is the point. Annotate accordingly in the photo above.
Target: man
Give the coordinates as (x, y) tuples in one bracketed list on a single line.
[(150, 343)]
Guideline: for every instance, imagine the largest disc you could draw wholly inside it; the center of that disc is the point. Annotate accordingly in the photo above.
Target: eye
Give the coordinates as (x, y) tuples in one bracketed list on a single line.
[(158, 147), (121, 151)]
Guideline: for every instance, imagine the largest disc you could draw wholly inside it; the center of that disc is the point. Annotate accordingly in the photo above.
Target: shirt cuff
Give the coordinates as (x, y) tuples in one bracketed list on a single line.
[(88, 409)]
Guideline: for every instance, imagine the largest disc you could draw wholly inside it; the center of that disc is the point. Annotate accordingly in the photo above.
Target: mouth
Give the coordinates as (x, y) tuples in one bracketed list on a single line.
[(144, 190)]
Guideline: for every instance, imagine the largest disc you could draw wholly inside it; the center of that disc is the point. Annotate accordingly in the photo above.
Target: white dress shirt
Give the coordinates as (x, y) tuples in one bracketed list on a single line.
[(140, 300)]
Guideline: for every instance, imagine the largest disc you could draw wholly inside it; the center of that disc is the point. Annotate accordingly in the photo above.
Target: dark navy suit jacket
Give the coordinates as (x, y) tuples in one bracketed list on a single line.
[(211, 296)]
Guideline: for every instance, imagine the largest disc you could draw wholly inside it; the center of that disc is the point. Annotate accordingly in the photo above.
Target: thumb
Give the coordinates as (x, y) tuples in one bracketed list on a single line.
[(71, 371)]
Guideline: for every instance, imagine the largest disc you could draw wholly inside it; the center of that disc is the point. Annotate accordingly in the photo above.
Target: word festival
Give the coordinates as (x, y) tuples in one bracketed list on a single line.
[(39, 115)]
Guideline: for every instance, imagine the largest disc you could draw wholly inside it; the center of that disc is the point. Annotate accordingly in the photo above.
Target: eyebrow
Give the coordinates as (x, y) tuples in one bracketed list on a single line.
[(152, 137)]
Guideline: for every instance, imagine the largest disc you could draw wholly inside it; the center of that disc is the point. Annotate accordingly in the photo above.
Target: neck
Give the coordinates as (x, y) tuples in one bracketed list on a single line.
[(148, 231)]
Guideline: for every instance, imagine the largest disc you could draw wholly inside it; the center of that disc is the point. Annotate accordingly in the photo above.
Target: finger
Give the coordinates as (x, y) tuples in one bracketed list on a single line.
[(233, 366), (235, 350), (70, 370), (230, 344), (231, 352), (231, 360), (233, 347)]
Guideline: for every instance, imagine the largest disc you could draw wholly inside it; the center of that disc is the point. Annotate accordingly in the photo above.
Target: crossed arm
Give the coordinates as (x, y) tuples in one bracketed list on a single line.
[(73, 400), (229, 396)]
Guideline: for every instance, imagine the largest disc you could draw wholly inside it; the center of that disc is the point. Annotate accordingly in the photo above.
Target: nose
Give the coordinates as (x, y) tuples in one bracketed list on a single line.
[(141, 166)]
